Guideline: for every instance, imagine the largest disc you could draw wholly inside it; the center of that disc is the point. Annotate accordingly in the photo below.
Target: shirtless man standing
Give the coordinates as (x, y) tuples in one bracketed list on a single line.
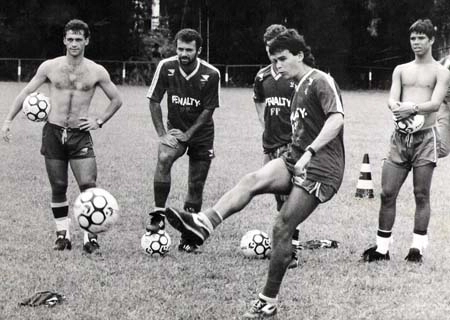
[(66, 139), (418, 87)]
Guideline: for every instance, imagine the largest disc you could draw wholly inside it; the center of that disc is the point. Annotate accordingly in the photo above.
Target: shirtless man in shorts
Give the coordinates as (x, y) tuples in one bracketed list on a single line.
[(66, 139), (418, 88)]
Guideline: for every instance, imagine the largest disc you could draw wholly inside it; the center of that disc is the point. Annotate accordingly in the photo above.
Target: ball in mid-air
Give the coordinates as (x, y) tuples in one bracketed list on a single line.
[(96, 210), (157, 243), (36, 107), (256, 244)]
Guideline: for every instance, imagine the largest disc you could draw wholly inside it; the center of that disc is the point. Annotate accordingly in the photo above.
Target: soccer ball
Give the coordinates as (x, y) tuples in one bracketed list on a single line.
[(156, 243), (256, 244), (36, 107), (95, 210), (410, 124)]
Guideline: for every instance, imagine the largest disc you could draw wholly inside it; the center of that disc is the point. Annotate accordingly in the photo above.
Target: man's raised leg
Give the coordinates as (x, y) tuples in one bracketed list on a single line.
[(272, 178)]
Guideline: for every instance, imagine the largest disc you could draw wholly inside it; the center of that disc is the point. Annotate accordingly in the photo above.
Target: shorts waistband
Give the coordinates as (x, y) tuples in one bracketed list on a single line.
[(63, 128)]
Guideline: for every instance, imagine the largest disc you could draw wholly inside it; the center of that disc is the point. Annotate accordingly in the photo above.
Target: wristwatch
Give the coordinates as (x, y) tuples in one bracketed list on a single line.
[(99, 122), (416, 109)]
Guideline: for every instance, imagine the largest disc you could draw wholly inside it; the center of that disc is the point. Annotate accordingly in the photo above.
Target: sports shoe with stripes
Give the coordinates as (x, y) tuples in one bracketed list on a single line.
[(92, 245), (190, 225), (261, 310)]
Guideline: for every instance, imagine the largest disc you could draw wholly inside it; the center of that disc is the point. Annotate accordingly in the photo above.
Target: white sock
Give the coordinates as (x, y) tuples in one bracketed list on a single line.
[(267, 299), (208, 224), (63, 224), (383, 244), (419, 242)]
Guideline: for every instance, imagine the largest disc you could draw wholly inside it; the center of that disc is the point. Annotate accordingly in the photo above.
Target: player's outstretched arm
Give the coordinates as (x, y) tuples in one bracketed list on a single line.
[(39, 78), (115, 101)]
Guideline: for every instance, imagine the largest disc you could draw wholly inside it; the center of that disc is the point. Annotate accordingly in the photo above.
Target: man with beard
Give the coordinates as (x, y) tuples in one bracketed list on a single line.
[(192, 87)]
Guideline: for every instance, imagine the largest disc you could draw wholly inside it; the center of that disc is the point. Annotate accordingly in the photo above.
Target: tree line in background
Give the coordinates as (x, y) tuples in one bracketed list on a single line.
[(342, 33)]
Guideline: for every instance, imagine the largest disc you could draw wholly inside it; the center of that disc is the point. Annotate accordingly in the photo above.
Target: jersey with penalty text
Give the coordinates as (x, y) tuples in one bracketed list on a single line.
[(187, 94), (316, 97), (275, 92)]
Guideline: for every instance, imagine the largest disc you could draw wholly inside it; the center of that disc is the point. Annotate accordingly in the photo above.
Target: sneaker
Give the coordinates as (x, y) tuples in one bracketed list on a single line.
[(157, 221), (294, 261), (372, 254), (92, 245), (190, 226), (62, 243), (414, 255), (186, 246), (261, 310)]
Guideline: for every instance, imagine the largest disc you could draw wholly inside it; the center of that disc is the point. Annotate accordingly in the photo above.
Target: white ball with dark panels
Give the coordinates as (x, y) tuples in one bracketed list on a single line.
[(36, 107), (96, 210), (256, 244)]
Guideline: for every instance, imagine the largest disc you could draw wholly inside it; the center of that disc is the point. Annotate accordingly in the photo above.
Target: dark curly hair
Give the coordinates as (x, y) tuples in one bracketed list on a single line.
[(77, 25), (294, 42)]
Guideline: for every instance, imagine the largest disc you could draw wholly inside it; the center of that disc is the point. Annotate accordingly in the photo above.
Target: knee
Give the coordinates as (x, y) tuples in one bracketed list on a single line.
[(281, 230), (421, 195), (388, 196), (59, 188), (165, 159)]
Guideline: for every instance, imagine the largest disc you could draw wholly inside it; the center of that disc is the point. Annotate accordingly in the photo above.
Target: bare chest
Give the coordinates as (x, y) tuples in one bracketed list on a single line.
[(419, 78), (76, 79)]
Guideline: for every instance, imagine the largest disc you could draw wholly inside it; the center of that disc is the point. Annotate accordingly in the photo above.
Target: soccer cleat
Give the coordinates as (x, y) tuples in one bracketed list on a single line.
[(157, 221), (414, 255), (294, 261), (372, 254), (190, 226), (62, 243), (92, 245), (261, 310), (187, 246)]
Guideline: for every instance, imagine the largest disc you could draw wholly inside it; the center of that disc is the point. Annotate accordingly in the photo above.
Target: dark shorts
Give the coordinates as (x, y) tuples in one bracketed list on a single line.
[(322, 191), (200, 150), (414, 150), (66, 143)]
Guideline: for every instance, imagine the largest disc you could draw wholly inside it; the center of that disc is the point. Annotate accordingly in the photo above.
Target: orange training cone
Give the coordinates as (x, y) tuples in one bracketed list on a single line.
[(364, 189)]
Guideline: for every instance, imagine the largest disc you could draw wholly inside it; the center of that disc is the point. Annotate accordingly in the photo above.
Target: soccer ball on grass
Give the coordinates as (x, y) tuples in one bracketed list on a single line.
[(256, 244), (36, 107), (95, 210), (156, 243)]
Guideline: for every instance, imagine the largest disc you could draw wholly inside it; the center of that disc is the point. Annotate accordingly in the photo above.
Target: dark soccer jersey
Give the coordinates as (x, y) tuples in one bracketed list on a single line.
[(187, 94), (276, 92), (316, 97)]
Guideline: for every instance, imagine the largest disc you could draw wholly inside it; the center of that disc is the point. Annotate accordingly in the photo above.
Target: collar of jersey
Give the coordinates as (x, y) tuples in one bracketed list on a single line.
[(188, 76), (274, 72), (298, 85)]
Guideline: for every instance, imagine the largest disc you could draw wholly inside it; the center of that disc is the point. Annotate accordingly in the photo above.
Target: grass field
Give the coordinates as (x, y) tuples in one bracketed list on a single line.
[(123, 283)]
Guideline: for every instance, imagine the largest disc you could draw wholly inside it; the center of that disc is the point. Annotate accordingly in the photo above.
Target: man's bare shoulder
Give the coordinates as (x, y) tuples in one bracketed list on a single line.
[(93, 66)]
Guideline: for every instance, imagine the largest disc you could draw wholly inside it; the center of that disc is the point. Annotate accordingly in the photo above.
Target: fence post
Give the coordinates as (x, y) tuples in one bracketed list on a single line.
[(226, 76), (19, 70), (370, 78), (124, 72)]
